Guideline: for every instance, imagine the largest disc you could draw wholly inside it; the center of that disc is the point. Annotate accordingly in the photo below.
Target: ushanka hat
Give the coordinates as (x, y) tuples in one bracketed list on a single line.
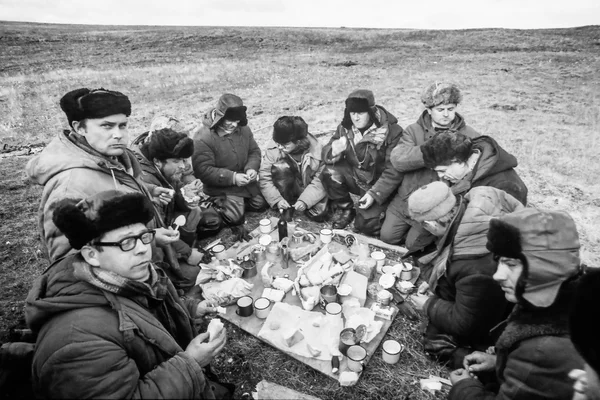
[(83, 103), (441, 93), (585, 311), (230, 107), (360, 101), (82, 221), (166, 143), (289, 129), (431, 202), (546, 242)]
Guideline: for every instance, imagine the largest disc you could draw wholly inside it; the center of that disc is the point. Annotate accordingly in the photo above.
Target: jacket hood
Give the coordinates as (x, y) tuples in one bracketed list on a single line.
[(493, 159), (65, 152), (425, 122), (58, 291)]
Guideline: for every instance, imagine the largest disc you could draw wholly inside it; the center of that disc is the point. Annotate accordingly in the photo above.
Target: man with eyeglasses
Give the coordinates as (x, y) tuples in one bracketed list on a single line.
[(290, 170), (464, 302), (109, 322), (92, 156)]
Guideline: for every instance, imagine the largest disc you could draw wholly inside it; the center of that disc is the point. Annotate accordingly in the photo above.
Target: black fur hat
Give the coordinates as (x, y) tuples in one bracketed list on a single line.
[(446, 147), (584, 311), (289, 129), (361, 100), (82, 221), (166, 143), (83, 103), (232, 108)]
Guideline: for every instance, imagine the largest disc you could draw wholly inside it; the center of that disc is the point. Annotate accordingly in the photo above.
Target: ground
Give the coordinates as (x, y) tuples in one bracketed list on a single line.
[(536, 92)]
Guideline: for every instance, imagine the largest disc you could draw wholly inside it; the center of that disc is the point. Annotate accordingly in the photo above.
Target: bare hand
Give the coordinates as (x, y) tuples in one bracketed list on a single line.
[(204, 352), (163, 195), (205, 307), (419, 300), (166, 236), (458, 375), (338, 146), (479, 362), (366, 201), (251, 174), (283, 204), (580, 385), (300, 205), (423, 288), (241, 179)]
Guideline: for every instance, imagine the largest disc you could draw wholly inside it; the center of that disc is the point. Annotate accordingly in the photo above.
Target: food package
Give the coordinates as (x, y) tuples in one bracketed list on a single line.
[(363, 316), (226, 292), (284, 284), (215, 326), (348, 378), (273, 294), (216, 270)]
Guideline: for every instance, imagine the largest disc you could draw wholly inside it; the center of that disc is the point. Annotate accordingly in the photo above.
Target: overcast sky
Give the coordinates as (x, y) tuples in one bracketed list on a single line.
[(417, 14)]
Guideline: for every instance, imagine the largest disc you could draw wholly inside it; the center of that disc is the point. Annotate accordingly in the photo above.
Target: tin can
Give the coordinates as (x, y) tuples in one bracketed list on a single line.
[(384, 297)]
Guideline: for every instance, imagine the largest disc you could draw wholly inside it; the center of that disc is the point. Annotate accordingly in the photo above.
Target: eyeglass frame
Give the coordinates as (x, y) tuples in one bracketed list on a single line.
[(136, 237)]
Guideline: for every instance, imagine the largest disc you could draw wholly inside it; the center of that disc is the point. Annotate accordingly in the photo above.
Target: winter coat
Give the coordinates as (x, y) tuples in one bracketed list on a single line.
[(216, 159), (311, 167), (69, 168), (94, 343), (467, 301), (534, 357), (495, 167), (376, 159), (407, 158)]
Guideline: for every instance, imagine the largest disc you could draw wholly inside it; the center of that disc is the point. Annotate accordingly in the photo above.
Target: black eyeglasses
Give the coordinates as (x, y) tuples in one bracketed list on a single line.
[(128, 243)]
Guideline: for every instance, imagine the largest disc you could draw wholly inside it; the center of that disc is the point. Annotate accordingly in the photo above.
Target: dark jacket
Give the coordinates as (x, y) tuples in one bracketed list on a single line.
[(534, 357), (371, 159), (216, 158), (407, 158), (94, 343), (495, 167)]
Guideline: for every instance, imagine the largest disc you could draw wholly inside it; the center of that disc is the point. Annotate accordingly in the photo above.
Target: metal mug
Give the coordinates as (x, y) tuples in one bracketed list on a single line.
[(356, 357), (328, 295)]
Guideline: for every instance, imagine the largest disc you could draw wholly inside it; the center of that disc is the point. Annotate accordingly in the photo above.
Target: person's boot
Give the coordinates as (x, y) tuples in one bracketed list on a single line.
[(345, 213)]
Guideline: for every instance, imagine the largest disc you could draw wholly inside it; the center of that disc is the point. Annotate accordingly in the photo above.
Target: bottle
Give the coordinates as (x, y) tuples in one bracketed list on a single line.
[(282, 226)]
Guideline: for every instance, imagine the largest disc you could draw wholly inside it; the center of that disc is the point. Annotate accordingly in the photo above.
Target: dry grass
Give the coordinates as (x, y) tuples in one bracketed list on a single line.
[(536, 92)]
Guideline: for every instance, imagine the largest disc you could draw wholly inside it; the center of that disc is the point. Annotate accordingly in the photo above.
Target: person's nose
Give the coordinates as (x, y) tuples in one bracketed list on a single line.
[(500, 274), (445, 113), (140, 248), (117, 133)]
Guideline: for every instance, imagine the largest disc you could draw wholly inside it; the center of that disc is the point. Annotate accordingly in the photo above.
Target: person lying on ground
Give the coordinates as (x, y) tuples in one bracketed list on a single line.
[(538, 268), (109, 322)]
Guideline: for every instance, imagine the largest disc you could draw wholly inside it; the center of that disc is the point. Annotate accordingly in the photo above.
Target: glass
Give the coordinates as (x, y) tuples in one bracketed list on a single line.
[(128, 243)]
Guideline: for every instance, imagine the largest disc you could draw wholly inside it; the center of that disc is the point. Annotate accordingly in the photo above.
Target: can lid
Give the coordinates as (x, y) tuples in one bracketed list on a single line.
[(361, 331)]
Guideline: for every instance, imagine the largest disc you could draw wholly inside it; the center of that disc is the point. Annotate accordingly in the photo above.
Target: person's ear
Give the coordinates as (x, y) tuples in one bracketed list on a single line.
[(158, 163), (90, 255), (78, 127)]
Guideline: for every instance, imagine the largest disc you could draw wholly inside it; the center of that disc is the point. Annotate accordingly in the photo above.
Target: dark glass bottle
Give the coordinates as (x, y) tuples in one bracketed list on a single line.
[(282, 226)]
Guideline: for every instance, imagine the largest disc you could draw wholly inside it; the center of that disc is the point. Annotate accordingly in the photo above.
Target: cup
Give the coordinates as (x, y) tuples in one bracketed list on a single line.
[(406, 274), (262, 307), (297, 237), (265, 225), (384, 297), (387, 280), (219, 251), (326, 235), (356, 356), (249, 269), (265, 240), (333, 310), (245, 308), (344, 291), (258, 254), (392, 270), (391, 350), (328, 295), (378, 256), (291, 228), (347, 339)]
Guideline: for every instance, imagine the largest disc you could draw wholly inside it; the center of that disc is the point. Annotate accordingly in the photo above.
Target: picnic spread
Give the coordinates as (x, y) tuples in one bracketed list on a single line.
[(327, 298)]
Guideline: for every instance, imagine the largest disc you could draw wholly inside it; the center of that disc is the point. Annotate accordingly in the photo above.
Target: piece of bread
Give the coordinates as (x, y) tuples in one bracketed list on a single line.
[(215, 326), (295, 337)]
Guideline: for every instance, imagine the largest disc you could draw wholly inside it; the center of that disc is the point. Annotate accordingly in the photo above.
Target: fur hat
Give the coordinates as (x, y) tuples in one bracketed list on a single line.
[(546, 242), (82, 221), (446, 147), (289, 129), (584, 310), (166, 143), (431, 202), (83, 103), (232, 108), (441, 93), (361, 100)]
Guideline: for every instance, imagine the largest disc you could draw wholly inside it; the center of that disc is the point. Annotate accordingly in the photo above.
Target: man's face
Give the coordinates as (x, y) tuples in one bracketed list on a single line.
[(287, 147), (435, 228), (453, 172), (230, 125), (507, 275), (106, 135), (443, 114), (133, 264), (360, 120), (172, 168)]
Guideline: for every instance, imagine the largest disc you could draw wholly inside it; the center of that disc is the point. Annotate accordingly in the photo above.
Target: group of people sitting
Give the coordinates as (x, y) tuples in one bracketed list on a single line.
[(113, 313)]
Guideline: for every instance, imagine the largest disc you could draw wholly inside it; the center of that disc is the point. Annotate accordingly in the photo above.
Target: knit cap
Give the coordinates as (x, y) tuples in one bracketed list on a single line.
[(431, 202)]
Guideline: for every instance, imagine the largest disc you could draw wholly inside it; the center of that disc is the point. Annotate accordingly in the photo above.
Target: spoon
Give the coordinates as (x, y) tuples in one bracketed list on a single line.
[(179, 221)]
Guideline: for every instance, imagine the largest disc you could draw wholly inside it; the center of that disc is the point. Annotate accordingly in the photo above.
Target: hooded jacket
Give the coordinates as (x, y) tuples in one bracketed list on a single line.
[(407, 159), (375, 158), (69, 168), (534, 355), (311, 167), (468, 302), (216, 158), (94, 343)]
